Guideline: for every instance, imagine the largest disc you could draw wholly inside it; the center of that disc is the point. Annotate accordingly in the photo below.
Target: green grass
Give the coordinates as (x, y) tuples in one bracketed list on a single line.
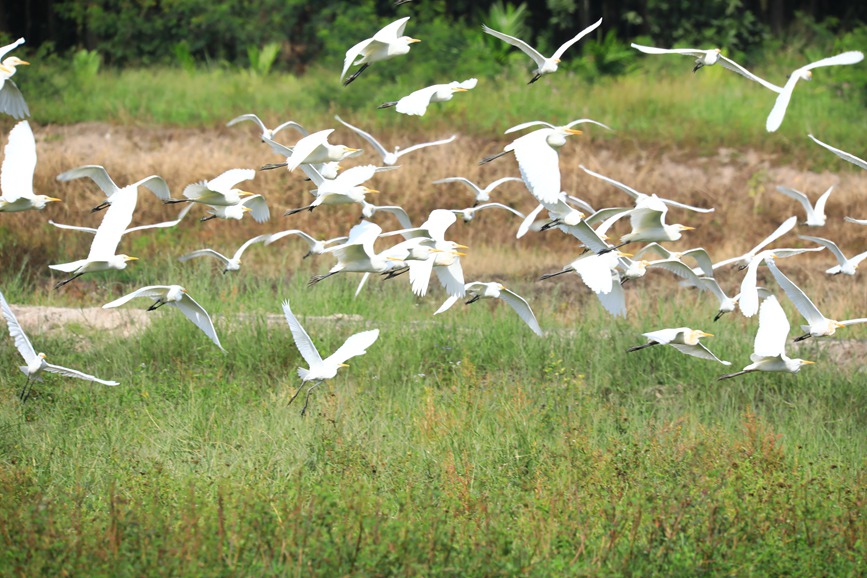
[(460, 445), (659, 103)]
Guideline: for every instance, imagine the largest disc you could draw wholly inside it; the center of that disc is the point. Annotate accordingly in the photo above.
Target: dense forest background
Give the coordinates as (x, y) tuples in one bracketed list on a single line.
[(143, 32)]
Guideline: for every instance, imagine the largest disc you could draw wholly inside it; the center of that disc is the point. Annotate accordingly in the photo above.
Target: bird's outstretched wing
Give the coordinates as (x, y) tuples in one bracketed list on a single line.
[(203, 253), (354, 346), (842, 154), (96, 173), (19, 163), (76, 374), (518, 43), (151, 291), (773, 329), (227, 181), (12, 101), (565, 46), (415, 147), (380, 150), (302, 340), (802, 303), (522, 308), (197, 314), (21, 342)]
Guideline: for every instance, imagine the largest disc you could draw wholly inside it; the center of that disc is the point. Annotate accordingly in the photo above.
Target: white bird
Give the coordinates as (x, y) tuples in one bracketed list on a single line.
[(709, 58), (815, 213), (323, 369), (11, 100), (749, 301), (637, 196), (267, 133), (230, 264), (842, 154), (470, 212), (775, 118), (769, 348), (102, 255), (416, 103), (726, 304), (743, 260), (16, 178), (817, 324), (315, 148), (163, 225), (483, 195), (346, 189), (683, 339), (543, 65), (328, 170), (538, 157), (219, 191), (391, 158), (844, 265), (36, 361), (599, 273), (253, 204), (176, 296), (445, 262), (648, 223), (698, 254), (856, 221), (316, 246), (368, 210), (480, 290), (385, 44), (156, 184), (356, 255)]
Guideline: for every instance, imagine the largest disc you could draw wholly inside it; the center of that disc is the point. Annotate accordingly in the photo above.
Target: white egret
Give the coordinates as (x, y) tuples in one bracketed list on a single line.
[(16, 175), (36, 363), (176, 296), (323, 369), (315, 148), (769, 348), (844, 265), (709, 58), (368, 210), (391, 158), (749, 301), (698, 254), (637, 196), (11, 100), (483, 195), (445, 262), (416, 103), (232, 263), (346, 189), (648, 223), (726, 304), (385, 44), (316, 246), (815, 213), (470, 212), (253, 204), (219, 191), (328, 170), (743, 260), (599, 273), (102, 255), (97, 173), (683, 339), (817, 324), (356, 255), (775, 118), (479, 290), (267, 133), (543, 65), (842, 154)]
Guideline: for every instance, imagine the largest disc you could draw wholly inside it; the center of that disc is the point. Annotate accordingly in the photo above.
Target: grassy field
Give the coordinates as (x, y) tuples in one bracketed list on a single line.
[(462, 444)]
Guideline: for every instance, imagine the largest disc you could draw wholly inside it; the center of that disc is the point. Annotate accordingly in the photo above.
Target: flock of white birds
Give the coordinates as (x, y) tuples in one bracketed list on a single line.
[(423, 251)]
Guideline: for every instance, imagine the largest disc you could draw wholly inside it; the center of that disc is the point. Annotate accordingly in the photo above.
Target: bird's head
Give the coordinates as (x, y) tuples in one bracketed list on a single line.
[(41, 355), (556, 61), (717, 50), (42, 200), (501, 287), (13, 61)]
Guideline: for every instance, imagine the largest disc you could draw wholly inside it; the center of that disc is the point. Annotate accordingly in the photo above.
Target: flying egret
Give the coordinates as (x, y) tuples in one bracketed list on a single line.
[(346, 189), (842, 154), (479, 290), (176, 296), (648, 223), (416, 103), (316, 246), (775, 118), (219, 191), (229, 264), (102, 255), (726, 304), (683, 339), (817, 324), (709, 58), (743, 260), (483, 195), (36, 363), (253, 204), (391, 158), (356, 255), (637, 196), (844, 265), (538, 157), (769, 348), (543, 65), (385, 44), (599, 273), (323, 369), (156, 184), (470, 212), (368, 210), (856, 221), (11, 100), (315, 148), (267, 133), (16, 175), (815, 213), (328, 170), (749, 301), (698, 254), (445, 262)]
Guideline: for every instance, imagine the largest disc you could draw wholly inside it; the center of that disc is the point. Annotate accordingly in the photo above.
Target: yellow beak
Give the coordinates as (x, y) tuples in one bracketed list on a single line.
[(131, 259), (52, 199), (572, 131), (413, 41), (805, 362), (343, 365)]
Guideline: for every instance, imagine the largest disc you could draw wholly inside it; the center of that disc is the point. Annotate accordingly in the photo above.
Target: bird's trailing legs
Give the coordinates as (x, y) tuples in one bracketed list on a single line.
[(271, 166), (614, 248), (307, 397), (549, 275), (25, 390), (64, 282), (387, 104), (642, 346), (535, 78), (293, 211), (100, 206), (492, 157), (208, 218), (157, 304), (173, 201), (355, 75), (730, 375), (803, 337), (317, 278), (472, 300), (698, 64), (718, 315)]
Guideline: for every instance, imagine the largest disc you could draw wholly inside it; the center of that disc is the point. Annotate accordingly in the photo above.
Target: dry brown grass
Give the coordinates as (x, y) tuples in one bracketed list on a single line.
[(739, 183)]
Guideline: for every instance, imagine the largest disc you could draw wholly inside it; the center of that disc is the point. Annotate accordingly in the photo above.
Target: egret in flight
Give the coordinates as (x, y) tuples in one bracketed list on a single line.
[(385, 44), (390, 158), (11, 100), (683, 339), (16, 175)]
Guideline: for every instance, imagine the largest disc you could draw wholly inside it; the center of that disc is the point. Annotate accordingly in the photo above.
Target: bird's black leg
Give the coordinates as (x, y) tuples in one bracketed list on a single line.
[(317, 278), (492, 157), (387, 104), (307, 397), (100, 206), (355, 75), (535, 78), (300, 387), (157, 304), (803, 337), (472, 300), (203, 219), (62, 283), (637, 347), (21, 395)]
